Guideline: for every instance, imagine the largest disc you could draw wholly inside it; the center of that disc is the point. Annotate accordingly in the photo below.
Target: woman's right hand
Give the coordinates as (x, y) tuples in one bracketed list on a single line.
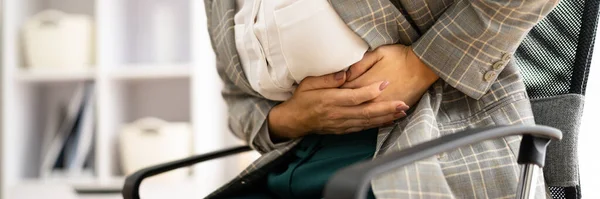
[(319, 106)]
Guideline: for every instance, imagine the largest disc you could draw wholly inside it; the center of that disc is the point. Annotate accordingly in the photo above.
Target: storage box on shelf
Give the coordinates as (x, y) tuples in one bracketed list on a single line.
[(167, 99), (56, 40)]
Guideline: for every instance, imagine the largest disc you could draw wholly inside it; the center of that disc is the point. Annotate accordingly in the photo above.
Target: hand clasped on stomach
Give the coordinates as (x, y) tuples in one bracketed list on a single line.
[(297, 51)]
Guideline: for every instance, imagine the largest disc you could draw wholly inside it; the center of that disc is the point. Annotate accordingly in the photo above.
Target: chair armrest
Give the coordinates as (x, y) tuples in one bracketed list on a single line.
[(133, 182), (353, 181)]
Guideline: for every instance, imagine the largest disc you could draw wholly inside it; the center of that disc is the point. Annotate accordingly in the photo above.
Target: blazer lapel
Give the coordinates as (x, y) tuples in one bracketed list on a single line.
[(378, 22)]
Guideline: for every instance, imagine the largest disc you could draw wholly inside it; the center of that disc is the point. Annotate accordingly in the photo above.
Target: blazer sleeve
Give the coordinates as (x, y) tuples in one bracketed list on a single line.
[(247, 112), (473, 40), (247, 118)]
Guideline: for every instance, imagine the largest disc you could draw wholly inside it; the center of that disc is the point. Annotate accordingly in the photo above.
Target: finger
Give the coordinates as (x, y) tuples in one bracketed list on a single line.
[(362, 66), (353, 97), (369, 110), (344, 129), (371, 122), (333, 80)]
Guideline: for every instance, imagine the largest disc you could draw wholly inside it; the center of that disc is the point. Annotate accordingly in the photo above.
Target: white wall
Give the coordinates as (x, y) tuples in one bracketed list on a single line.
[(1, 115), (589, 138)]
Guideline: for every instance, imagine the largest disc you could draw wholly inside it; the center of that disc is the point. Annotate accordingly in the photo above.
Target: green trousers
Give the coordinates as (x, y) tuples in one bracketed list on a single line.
[(315, 160)]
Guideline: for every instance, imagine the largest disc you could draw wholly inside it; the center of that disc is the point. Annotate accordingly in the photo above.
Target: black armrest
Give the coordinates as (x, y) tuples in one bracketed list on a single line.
[(132, 183), (352, 182)]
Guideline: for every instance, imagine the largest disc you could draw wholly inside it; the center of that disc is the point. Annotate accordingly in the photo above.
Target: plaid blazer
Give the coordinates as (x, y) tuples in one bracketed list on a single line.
[(468, 44)]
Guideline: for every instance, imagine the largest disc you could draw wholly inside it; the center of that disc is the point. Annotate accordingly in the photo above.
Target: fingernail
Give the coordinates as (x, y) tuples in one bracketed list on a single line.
[(383, 85), (339, 75), (348, 73)]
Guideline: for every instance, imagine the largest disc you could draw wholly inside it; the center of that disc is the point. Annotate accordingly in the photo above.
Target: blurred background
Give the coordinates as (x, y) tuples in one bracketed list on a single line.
[(93, 90)]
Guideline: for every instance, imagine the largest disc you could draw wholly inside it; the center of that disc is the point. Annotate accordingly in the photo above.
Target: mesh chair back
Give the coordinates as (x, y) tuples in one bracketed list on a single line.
[(554, 59), (555, 56)]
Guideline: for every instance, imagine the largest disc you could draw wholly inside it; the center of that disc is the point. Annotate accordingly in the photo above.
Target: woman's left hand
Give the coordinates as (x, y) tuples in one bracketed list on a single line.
[(409, 77)]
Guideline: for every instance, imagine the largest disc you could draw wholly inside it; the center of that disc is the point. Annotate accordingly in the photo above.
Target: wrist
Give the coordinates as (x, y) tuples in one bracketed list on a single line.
[(426, 73), (282, 124)]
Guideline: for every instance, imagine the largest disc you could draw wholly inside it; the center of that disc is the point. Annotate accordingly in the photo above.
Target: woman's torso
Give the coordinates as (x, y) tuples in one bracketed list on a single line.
[(382, 24)]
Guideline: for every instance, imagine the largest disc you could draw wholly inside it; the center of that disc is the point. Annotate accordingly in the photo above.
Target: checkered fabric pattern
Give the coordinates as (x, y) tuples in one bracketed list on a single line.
[(469, 44)]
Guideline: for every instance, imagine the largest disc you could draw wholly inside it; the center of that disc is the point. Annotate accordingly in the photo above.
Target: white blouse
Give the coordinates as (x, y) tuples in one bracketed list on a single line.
[(280, 42)]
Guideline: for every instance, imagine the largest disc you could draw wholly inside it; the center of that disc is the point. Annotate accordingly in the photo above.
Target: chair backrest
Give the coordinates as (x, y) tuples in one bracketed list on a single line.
[(555, 56), (555, 60)]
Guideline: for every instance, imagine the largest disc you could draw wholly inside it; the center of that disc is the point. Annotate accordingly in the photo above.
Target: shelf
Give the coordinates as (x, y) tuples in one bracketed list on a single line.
[(56, 75), (82, 184), (151, 71)]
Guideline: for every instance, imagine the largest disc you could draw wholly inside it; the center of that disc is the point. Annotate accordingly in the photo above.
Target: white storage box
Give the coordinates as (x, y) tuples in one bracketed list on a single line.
[(151, 141), (54, 40)]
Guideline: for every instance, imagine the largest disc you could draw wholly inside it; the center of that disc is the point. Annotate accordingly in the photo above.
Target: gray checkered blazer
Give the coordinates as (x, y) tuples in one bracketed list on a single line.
[(468, 43)]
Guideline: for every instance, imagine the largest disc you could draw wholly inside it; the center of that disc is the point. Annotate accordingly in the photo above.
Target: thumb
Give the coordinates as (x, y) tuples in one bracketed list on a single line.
[(334, 80), (362, 66)]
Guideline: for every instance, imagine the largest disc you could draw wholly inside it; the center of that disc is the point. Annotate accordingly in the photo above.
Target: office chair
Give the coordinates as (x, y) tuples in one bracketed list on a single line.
[(554, 57)]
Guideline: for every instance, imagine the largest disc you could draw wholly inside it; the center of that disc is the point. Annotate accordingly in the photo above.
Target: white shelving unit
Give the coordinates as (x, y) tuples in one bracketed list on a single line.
[(132, 80), (147, 72)]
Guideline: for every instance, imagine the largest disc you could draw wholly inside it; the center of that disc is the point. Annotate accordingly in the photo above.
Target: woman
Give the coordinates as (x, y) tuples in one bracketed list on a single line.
[(449, 60)]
